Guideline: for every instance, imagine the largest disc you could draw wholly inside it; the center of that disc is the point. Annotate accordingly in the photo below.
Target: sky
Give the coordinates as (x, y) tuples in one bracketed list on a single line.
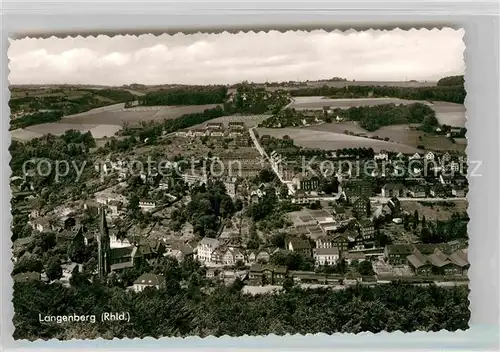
[(226, 58)]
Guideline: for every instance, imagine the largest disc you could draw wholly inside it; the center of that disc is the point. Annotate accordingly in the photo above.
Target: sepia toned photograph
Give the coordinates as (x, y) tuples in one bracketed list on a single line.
[(248, 183)]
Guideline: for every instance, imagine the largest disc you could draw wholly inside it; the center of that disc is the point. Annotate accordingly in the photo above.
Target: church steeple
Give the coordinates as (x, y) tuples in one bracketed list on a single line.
[(103, 245), (103, 225)]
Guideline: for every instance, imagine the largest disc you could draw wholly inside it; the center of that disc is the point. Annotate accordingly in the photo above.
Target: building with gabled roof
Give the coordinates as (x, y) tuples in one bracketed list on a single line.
[(148, 280)]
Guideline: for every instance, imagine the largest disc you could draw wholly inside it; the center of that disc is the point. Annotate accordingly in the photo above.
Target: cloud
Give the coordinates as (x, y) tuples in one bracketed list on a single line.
[(229, 58)]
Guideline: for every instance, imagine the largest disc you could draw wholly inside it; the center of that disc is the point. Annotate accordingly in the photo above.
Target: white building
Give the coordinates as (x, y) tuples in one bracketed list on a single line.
[(205, 249), (326, 256), (147, 206), (429, 156)]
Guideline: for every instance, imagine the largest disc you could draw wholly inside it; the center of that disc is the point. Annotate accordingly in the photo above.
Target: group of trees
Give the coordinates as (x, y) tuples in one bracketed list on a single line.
[(36, 118), (209, 206), (450, 89), (52, 107), (372, 118), (445, 231), (254, 100), (187, 310), (188, 95)]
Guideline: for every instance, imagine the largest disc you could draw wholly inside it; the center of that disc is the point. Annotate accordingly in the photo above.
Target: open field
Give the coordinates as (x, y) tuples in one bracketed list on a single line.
[(438, 211), (57, 128), (401, 134), (331, 140), (450, 113), (118, 115), (318, 102), (340, 84), (446, 113)]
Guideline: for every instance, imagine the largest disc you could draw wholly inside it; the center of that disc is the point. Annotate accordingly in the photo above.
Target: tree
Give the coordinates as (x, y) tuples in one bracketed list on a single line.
[(365, 268), (288, 283), (28, 263), (53, 269)]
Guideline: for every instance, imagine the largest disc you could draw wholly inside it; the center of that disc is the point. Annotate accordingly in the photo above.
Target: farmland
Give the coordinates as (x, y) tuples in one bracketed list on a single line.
[(56, 128), (446, 113), (318, 102), (134, 116), (330, 140), (106, 121), (401, 134)]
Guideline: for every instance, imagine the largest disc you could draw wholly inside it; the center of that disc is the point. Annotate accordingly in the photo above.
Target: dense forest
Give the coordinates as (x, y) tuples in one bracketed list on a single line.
[(60, 102), (189, 95), (450, 89), (372, 118), (36, 118), (188, 310), (451, 81)]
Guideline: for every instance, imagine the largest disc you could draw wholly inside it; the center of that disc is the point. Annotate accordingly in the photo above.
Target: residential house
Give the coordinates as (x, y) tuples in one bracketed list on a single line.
[(390, 190), (236, 125), (27, 277), (446, 158), (71, 236), (147, 206), (179, 251), (215, 125), (262, 256), (355, 189), (397, 254), (415, 156), (439, 191), (458, 191), (148, 280), (326, 256), (306, 183), (382, 155), (231, 256), (416, 191), (205, 249), (366, 229), (350, 257), (299, 246), (267, 274), (454, 166), (362, 207), (217, 133), (429, 156)]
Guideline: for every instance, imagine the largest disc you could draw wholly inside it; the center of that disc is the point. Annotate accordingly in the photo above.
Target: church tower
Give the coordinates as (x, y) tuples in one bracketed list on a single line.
[(103, 245)]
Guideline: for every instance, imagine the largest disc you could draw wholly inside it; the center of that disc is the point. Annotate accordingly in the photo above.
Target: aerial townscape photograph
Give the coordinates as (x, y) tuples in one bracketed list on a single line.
[(248, 183)]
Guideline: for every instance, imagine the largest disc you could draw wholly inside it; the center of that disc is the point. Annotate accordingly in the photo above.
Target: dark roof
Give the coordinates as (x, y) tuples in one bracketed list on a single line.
[(400, 249), (365, 223), (326, 251), (390, 186), (122, 252), (300, 244), (25, 277), (23, 241), (150, 279), (124, 265), (274, 268)]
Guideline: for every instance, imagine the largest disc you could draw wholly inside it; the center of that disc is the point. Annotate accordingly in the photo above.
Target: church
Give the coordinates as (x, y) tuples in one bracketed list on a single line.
[(112, 259)]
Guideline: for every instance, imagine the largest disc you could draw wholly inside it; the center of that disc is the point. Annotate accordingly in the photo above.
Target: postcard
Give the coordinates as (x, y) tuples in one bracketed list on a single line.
[(249, 183)]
